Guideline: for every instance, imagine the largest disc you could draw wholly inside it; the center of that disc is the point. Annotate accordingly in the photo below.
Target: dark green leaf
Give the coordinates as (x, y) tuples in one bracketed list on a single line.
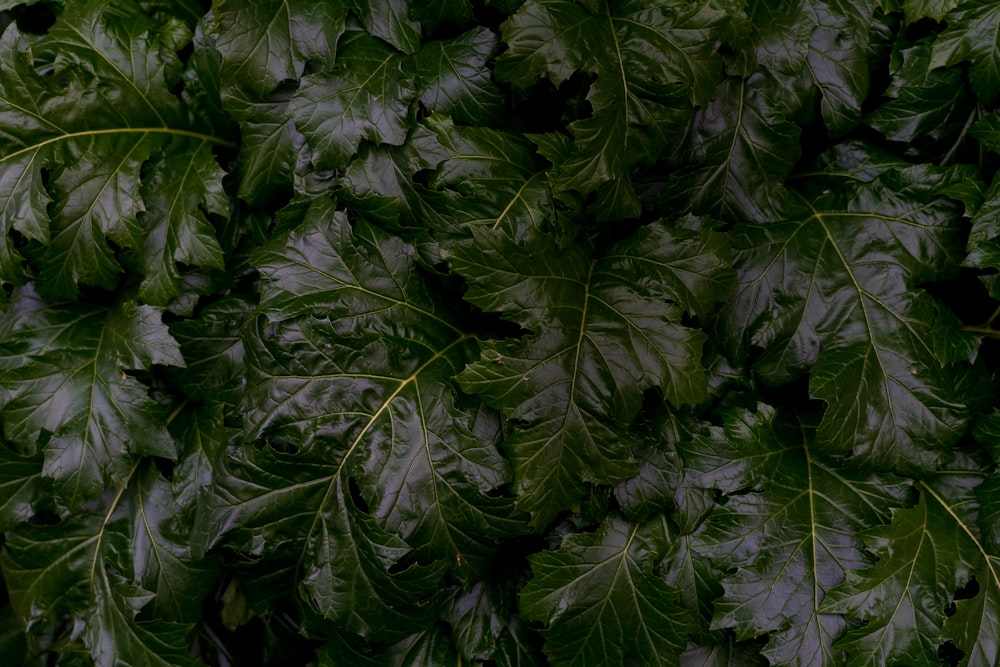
[(453, 78), (972, 36), (602, 601), (365, 97), (922, 102), (738, 150), (87, 569), (926, 555), (70, 394), (264, 43), (814, 292), (790, 539), (606, 327)]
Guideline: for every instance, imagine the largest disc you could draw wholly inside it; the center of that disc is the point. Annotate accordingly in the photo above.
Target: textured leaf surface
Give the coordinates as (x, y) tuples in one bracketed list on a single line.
[(114, 113), (926, 556), (83, 568), (265, 43), (741, 149), (642, 58), (365, 97), (70, 383), (971, 36), (601, 600), (791, 539), (813, 292), (606, 326)]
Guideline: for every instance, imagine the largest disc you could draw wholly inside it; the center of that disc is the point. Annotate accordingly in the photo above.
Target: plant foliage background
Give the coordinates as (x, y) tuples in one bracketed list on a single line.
[(427, 332)]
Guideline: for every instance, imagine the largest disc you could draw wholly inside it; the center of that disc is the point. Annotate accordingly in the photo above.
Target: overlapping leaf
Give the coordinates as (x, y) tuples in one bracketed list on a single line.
[(94, 122), (620, 607), (815, 292), (366, 96), (737, 152), (454, 80), (646, 61), (927, 555), (67, 392), (266, 43), (371, 463), (922, 102), (605, 327), (790, 539), (972, 36), (100, 570)]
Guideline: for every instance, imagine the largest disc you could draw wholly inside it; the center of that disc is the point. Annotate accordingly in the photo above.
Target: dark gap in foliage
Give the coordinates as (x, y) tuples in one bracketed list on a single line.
[(356, 496), (924, 28), (950, 655), (34, 19), (966, 295), (488, 14), (44, 518), (165, 466), (968, 591), (272, 640), (281, 445)]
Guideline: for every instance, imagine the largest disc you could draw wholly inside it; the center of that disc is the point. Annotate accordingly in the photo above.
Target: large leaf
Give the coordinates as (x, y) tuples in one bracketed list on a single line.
[(106, 112), (69, 393), (266, 43), (363, 438), (644, 59), (602, 601), (927, 555), (972, 36), (790, 539), (605, 327), (832, 288), (96, 570)]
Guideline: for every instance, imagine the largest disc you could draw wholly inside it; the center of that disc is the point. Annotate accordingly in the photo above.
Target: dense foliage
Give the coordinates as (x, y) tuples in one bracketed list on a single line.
[(430, 332)]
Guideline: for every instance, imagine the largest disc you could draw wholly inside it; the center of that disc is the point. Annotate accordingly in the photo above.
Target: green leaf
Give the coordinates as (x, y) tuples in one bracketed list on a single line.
[(70, 395), (605, 327), (971, 36), (927, 554), (389, 20), (181, 189), (601, 599), (266, 43), (790, 539), (820, 291), (22, 487), (737, 152), (922, 102), (645, 60), (85, 568), (91, 123), (363, 279), (365, 97), (453, 78)]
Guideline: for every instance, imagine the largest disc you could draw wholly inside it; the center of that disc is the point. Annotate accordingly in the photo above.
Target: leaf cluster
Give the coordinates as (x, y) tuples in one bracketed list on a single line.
[(569, 332)]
